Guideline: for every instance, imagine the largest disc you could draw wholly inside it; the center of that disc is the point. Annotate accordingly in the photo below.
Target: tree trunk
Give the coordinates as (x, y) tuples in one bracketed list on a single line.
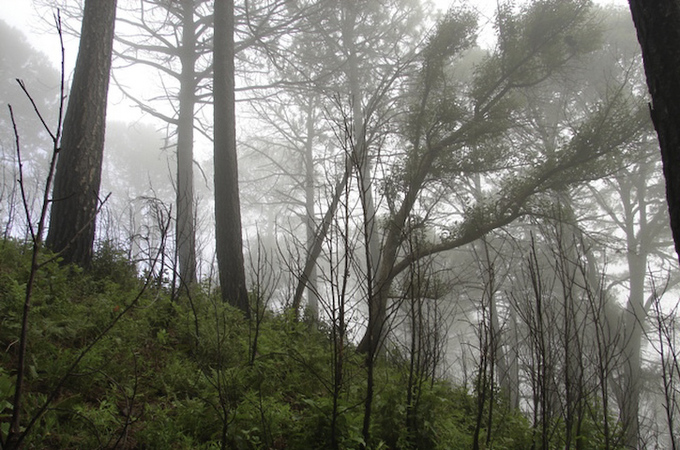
[(634, 322), (359, 150), (310, 210), (377, 309), (315, 245), (78, 176), (229, 243), (658, 29), (185, 233)]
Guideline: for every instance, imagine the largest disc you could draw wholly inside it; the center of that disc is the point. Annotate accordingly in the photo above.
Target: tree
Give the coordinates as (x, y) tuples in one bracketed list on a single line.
[(174, 32), (452, 133), (185, 234), (342, 79), (227, 205), (75, 199), (175, 39), (641, 223), (658, 30)]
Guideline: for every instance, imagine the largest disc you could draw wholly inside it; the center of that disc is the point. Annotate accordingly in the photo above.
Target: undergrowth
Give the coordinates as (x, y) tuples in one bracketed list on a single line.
[(182, 374)]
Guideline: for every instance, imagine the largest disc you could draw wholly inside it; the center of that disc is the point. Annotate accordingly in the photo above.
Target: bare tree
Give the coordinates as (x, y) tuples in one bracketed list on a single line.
[(172, 38)]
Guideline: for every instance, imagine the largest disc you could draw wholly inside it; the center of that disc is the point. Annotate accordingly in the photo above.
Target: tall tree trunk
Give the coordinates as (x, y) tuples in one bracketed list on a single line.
[(638, 250), (634, 320), (78, 176), (658, 30), (185, 233), (229, 243)]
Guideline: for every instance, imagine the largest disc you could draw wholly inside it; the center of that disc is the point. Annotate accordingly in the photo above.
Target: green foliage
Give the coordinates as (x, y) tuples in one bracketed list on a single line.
[(112, 264), (182, 374)]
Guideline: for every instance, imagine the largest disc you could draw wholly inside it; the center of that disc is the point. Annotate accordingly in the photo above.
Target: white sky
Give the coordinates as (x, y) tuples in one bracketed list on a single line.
[(24, 15), (36, 22)]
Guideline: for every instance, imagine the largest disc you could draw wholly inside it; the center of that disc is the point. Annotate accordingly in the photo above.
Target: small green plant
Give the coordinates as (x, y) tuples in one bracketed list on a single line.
[(6, 390)]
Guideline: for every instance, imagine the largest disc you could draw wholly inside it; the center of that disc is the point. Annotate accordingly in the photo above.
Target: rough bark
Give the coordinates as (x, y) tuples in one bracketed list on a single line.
[(658, 29), (229, 242), (186, 235), (75, 198)]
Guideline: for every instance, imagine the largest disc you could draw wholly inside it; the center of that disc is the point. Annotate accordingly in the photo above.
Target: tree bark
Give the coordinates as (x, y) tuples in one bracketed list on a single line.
[(185, 233), (229, 243), (658, 30), (78, 176)]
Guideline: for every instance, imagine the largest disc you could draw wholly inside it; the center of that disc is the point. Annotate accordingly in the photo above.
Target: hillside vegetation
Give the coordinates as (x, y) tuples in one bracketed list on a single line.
[(193, 373)]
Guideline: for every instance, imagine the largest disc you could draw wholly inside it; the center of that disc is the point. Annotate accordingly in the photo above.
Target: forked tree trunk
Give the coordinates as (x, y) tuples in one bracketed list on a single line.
[(75, 198)]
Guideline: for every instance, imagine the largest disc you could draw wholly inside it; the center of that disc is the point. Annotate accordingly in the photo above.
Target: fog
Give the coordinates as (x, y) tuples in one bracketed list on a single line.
[(475, 197)]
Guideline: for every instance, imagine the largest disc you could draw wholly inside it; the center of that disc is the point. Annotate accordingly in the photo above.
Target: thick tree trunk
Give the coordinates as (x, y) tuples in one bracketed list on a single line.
[(185, 233), (658, 29), (78, 176), (229, 243)]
